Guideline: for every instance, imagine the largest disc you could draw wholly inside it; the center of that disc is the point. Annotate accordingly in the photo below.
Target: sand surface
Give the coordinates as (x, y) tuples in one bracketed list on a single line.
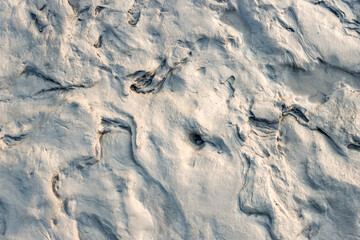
[(187, 119)]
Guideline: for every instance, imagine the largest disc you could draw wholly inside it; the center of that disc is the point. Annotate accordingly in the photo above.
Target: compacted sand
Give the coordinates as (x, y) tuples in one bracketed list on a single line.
[(187, 119)]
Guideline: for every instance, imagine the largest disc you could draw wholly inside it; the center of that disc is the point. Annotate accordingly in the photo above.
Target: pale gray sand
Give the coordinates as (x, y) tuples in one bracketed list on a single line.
[(191, 119)]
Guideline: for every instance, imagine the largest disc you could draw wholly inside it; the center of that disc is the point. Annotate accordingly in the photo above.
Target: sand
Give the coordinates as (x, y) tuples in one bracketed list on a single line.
[(191, 119)]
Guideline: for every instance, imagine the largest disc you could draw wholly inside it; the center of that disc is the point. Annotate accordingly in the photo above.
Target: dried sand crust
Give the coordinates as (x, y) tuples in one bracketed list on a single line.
[(193, 119)]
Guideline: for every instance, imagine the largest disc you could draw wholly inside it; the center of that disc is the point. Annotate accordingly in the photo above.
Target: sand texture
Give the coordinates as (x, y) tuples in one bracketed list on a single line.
[(179, 119)]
